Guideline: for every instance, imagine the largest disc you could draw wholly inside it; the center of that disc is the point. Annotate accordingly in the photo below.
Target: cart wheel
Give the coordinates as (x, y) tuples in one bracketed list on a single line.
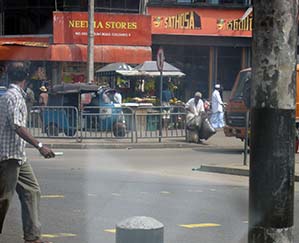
[(52, 130), (70, 132), (119, 130)]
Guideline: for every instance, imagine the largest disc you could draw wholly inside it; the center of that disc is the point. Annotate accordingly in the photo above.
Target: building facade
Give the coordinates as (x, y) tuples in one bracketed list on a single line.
[(209, 40), (52, 36)]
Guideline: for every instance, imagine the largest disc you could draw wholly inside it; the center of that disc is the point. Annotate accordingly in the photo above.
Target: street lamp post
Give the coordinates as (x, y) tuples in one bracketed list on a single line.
[(90, 47)]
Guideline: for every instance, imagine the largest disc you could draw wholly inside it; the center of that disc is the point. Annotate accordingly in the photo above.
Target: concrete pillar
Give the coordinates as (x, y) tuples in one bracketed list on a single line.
[(140, 229)]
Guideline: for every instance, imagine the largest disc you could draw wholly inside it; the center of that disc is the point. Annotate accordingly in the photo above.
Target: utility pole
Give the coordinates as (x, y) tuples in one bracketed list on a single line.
[(273, 93), (90, 47)]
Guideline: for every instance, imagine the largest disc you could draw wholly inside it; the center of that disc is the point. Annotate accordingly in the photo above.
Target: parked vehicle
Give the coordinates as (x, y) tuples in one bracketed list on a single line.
[(72, 104), (110, 115), (238, 105), (62, 112)]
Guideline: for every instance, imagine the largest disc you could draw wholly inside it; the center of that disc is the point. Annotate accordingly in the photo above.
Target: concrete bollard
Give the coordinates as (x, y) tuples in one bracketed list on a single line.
[(140, 229)]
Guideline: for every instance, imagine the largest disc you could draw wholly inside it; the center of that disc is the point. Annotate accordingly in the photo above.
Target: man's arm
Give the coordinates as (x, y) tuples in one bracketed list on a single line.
[(26, 135), (219, 98), (188, 106)]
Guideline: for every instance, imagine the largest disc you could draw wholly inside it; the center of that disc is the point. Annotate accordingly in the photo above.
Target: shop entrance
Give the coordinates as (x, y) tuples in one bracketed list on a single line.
[(229, 64), (194, 62)]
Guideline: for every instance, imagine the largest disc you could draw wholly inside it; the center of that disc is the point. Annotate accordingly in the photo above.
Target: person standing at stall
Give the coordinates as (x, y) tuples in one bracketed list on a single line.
[(30, 97), (217, 119), (195, 110), (194, 106), (43, 97)]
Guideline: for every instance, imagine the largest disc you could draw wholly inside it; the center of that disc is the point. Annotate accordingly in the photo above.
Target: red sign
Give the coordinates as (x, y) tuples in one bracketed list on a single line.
[(109, 29), (202, 22)]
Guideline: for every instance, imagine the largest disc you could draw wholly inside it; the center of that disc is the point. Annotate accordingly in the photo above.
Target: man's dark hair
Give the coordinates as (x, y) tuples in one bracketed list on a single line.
[(17, 72)]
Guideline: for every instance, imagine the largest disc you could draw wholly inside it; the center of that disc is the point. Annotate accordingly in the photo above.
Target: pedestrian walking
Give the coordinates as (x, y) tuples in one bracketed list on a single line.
[(16, 173), (217, 108)]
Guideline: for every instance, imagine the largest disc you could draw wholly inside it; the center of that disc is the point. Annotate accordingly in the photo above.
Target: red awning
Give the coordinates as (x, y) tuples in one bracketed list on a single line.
[(24, 43), (23, 53), (76, 53), (102, 53)]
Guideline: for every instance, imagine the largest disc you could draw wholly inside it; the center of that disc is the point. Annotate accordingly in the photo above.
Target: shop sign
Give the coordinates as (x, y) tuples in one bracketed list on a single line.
[(205, 22), (109, 29)]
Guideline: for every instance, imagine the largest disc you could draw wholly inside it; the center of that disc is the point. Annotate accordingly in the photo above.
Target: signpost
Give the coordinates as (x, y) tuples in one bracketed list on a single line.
[(160, 59), (160, 64)]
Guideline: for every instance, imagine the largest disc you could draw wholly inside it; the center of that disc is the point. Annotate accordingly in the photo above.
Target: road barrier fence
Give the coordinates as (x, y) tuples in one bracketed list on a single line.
[(106, 122)]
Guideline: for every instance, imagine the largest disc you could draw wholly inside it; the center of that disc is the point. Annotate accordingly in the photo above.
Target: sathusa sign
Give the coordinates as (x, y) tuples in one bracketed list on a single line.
[(109, 29), (200, 22)]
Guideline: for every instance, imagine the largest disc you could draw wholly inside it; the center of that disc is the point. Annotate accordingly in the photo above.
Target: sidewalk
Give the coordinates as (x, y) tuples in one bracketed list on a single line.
[(234, 168), (218, 141)]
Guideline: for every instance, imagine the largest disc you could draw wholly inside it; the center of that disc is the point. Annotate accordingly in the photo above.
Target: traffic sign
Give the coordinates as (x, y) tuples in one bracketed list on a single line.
[(160, 59)]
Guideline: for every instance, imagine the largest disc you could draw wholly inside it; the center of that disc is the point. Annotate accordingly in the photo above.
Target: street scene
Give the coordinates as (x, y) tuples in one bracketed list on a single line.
[(86, 192), (154, 121)]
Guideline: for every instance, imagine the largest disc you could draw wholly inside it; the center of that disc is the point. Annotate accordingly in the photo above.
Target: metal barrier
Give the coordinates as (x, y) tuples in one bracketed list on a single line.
[(107, 122), (53, 121), (148, 122)]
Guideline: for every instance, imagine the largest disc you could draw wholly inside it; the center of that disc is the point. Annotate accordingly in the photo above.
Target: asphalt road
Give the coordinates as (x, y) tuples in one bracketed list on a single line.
[(87, 192)]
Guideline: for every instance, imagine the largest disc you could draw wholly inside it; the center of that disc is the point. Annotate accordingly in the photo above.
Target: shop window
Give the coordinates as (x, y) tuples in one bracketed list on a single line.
[(229, 64), (117, 5), (194, 62), (27, 17), (75, 5)]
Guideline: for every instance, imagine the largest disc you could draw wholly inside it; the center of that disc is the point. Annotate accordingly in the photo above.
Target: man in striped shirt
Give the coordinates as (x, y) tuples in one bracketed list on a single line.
[(16, 173)]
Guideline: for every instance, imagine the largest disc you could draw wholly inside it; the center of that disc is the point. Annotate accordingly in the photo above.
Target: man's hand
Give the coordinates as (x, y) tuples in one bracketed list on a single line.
[(46, 152), (26, 135)]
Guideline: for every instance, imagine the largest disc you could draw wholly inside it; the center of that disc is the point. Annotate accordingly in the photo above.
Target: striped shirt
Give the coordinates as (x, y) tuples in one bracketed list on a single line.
[(13, 114)]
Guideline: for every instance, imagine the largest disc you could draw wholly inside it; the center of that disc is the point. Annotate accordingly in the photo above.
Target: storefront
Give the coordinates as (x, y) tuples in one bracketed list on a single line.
[(117, 38), (63, 55), (209, 45)]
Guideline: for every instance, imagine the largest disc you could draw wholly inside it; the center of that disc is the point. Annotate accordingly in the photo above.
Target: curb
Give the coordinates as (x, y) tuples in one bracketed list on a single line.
[(223, 170), (119, 146), (228, 170)]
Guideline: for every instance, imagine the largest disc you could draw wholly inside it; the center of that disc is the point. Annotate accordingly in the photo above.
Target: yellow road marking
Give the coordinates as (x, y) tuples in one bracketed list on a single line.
[(52, 196), (190, 226), (110, 230), (165, 192), (58, 235)]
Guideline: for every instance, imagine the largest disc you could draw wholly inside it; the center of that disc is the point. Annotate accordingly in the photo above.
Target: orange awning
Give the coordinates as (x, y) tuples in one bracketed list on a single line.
[(102, 53), (76, 53), (23, 53)]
